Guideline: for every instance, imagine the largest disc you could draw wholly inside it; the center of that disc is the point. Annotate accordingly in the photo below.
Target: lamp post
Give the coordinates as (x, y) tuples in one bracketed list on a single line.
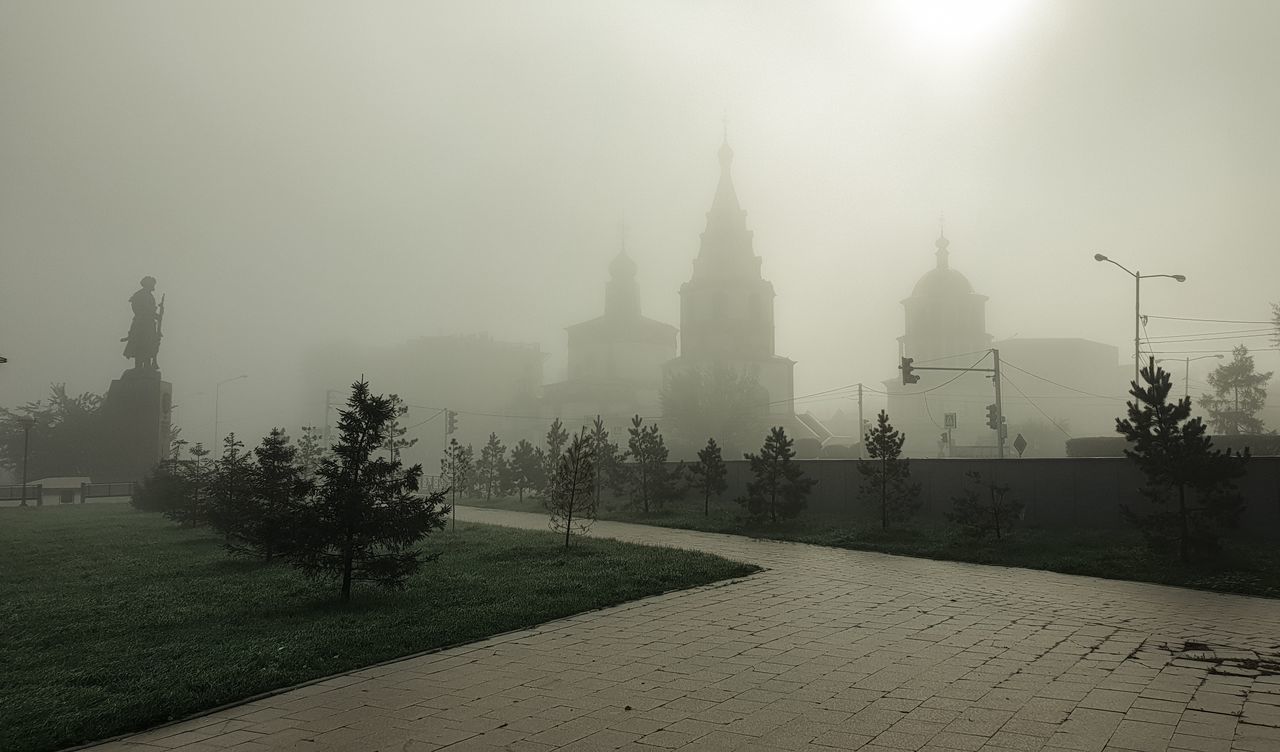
[(217, 397), (1186, 370), (27, 424), (1137, 305)]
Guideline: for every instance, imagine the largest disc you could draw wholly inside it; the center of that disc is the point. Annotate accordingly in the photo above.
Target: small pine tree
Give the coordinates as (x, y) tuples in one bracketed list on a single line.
[(709, 474), (396, 441), (985, 507), (571, 501), (779, 487), (311, 451), (604, 458), (279, 492), (457, 468), (1239, 393), (228, 507), (186, 488), (525, 468), (491, 468), (365, 521), (886, 475), (556, 438), (644, 470), (1180, 464)]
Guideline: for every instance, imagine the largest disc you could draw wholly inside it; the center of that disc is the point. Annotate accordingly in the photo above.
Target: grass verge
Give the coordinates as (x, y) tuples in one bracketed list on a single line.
[(115, 620), (1244, 567)]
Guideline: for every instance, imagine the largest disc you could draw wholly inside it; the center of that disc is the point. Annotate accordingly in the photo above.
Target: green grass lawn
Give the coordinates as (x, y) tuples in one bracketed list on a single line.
[(1246, 567), (114, 620)]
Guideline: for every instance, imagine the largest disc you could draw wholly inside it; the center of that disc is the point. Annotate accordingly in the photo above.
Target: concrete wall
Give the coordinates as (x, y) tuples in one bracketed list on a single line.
[(1070, 492)]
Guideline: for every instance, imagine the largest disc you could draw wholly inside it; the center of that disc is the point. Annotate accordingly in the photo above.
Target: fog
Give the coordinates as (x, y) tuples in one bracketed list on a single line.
[(302, 174)]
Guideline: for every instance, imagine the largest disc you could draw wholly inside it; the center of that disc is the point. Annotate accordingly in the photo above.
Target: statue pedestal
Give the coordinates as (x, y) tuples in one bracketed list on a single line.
[(136, 414)]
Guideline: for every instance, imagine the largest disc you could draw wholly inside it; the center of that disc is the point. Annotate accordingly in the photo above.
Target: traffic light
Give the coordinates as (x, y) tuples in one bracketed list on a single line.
[(907, 376), (992, 421), (944, 439), (451, 422)]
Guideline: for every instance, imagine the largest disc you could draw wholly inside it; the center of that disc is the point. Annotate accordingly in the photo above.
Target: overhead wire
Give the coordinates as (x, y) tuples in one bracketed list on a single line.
[(1209, 321), (1031, 402), (1061, 385)]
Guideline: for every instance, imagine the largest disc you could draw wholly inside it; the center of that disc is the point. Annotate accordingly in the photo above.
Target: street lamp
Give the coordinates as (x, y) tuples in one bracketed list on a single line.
[(27, 424), (217, 396), (1137, 312), (1186, 370)]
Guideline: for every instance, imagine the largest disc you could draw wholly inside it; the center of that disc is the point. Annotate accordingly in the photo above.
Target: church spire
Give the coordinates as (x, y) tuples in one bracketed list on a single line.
[(941, 244), (726, 200), (622, 294)]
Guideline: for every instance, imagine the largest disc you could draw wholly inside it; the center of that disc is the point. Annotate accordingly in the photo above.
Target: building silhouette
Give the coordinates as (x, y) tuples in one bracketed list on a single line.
[(615, 360), (946, 326), (726, 310)]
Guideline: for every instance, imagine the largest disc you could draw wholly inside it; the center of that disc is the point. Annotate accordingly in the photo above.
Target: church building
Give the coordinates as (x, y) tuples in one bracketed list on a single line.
[(726, 308), (946, 326), (615, 360)]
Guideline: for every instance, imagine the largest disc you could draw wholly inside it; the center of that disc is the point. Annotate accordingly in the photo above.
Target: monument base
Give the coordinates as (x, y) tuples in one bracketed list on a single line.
[(136, 414)]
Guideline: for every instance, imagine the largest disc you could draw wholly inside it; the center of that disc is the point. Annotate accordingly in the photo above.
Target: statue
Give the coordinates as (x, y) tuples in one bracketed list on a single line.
[(143, 342)]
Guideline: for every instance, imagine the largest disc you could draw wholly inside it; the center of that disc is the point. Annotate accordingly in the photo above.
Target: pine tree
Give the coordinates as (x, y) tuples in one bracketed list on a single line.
[(280, 491), (985, 507), (644, 471), (230, 495), (604, 458), (779, 486), (571, 500), (556, 438), (886, 475), (709, 474), (525, 468), (311, 451), (365, 520), (1181, 465), (181, 490), (396, 441), (491, 468), (1239, 393), (457, 468)]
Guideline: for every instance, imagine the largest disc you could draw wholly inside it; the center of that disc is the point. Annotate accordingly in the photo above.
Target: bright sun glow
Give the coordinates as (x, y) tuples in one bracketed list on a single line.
[(951, 27)]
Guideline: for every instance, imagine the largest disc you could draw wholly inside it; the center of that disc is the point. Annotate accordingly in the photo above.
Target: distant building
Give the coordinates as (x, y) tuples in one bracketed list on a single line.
[(493, 385), (615, 360), (726, 308), (1052, 388)]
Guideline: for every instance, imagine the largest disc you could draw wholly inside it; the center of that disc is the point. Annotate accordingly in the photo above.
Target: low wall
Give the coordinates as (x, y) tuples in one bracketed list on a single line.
[(1071, 492)]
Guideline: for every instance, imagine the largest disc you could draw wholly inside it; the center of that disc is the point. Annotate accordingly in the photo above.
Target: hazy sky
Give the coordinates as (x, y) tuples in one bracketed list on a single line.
[(299, 172)]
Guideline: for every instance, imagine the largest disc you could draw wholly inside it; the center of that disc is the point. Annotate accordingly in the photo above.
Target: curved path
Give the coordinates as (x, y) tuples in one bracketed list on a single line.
[(826, 649)]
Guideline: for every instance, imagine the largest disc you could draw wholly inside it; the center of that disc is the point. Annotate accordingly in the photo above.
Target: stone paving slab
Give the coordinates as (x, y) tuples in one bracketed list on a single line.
[(825, 650)]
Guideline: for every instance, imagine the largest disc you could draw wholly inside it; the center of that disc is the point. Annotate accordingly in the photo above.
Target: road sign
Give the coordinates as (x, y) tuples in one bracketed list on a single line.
[(1019, 444), (949, 420)]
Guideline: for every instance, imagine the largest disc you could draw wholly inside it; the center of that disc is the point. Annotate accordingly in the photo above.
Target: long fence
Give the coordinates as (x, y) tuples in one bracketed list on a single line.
[(65, 494), (1076, 493)]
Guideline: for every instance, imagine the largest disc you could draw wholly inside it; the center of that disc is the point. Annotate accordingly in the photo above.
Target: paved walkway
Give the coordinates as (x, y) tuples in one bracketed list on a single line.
[(827, 649)]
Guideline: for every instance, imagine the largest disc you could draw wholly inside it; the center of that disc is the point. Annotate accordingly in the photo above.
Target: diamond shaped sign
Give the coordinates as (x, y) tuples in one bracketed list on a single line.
[(1019, 444)]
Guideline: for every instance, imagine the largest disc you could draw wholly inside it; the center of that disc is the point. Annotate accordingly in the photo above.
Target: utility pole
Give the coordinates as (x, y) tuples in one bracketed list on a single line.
[(995, 381), (862, 426), (27, 423)]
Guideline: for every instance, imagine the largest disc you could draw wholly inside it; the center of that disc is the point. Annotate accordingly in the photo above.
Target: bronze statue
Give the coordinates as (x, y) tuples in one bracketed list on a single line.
[(143, 342)]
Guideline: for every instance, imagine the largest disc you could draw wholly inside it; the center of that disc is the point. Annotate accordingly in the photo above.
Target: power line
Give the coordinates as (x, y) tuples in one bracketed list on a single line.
[(1018, 389), (1265, 329), (1171, 340), (957, 355), (1210, 321), (1176, 352), (1063, 386)]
